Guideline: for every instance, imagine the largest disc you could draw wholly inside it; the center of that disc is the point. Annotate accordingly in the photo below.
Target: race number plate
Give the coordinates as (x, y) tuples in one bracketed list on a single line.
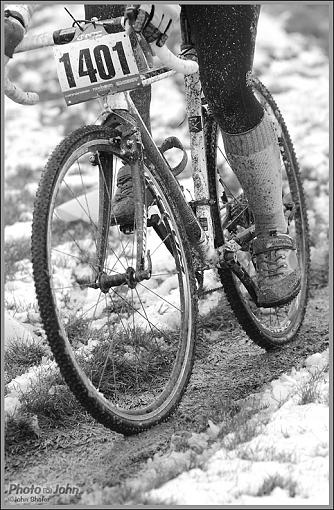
[(96, 66)]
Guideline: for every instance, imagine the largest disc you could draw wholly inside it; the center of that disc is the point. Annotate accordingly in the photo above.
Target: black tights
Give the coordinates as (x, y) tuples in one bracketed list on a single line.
[(224, 37)]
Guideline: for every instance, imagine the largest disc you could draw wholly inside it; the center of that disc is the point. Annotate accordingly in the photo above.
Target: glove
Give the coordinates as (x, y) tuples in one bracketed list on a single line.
[(155, 21), (14, 32)]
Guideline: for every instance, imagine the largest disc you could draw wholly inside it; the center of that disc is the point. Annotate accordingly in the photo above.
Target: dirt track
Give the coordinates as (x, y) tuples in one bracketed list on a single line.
[(228, 367)]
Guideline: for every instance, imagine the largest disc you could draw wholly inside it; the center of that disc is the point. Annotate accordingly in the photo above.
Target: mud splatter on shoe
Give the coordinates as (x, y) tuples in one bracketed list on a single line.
[(122, 204), (277, 269)]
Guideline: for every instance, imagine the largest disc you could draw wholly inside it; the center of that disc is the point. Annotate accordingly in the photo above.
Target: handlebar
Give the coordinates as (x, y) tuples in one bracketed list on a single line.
[(165, 56)]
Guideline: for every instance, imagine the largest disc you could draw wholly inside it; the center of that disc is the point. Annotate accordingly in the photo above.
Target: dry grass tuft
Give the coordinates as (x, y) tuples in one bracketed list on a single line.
[(309, 392), (273, 481), (20, 356), (14, 252)]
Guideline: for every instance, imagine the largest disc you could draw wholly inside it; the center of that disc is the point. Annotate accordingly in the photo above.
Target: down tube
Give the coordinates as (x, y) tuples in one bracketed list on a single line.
[(192, 226)]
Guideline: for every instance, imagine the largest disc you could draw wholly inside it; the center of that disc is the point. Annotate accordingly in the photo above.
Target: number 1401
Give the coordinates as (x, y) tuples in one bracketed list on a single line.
[(100, 63)]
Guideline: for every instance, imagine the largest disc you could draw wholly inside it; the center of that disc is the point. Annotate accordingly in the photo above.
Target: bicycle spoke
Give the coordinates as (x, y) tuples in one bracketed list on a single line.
[(162, 242), (85, 192), (141, 315), (153, 337), (275, 326), (160, 297), (81, 207), (70, 255), (129, 345), (107, 357), (110, 199)]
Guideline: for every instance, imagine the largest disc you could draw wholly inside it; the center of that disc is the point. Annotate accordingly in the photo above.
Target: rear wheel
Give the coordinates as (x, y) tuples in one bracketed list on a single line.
[(125, 349), (267, 327)]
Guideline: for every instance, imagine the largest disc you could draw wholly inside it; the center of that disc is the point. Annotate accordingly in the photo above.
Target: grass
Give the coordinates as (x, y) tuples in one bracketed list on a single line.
[(268, 454), (18, 198), (132, 363), (134, 491), (241, 425), (15, 204), (23, 174), (308, 392), (15, 251), (19, 430), (132, 371), (50, 399), (20, 356), (19, 306), (47, 410), (78, 331), (273, 481), (72, 232)]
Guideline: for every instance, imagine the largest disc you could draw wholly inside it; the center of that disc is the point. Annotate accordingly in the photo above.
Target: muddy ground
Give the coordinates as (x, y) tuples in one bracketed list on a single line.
[(228, 367)]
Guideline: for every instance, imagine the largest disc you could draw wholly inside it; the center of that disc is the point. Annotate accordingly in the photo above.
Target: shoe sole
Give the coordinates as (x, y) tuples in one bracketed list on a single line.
[(281, 302)]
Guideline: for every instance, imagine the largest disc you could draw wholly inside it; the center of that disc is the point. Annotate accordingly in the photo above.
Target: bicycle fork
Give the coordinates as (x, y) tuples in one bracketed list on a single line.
[(126, 144)]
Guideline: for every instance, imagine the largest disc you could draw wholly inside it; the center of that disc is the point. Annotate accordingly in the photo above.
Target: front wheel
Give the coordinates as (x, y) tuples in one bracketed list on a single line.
[(268, 327), (124, 347)]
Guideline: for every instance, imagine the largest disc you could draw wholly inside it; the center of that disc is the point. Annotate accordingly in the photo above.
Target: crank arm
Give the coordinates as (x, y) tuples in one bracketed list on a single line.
[(228, 258), (245, 236)]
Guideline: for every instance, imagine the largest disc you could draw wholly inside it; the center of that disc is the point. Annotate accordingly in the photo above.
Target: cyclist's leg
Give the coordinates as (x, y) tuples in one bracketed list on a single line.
[(224, 37)]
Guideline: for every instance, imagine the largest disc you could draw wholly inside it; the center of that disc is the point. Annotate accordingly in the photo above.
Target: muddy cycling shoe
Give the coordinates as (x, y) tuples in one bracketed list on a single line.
[(277, 269), (123, 205)]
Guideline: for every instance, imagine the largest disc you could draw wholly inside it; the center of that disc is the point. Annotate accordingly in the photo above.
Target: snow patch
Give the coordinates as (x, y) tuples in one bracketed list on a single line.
[(278, 466), (24, 383), (15, 331)]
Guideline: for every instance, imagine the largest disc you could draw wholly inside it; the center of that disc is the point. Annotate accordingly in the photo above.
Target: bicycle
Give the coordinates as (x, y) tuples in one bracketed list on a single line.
[(119, 302)]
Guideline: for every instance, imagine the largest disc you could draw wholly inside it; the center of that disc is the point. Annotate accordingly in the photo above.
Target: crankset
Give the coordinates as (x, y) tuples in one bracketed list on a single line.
[(229, 259)]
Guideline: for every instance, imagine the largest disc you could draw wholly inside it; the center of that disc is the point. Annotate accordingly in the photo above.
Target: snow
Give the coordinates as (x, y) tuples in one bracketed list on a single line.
[(85, 208), (291, 448), (20, 295), (19, 230), (14, 330), (303, 74), (23, 383)]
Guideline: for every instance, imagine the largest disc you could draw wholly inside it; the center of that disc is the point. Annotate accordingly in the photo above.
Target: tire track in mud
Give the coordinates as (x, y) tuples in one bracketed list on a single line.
[(228, 367)]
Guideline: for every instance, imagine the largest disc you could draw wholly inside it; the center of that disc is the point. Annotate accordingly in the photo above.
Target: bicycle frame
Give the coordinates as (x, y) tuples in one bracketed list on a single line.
[(198, 225), (197, 215)]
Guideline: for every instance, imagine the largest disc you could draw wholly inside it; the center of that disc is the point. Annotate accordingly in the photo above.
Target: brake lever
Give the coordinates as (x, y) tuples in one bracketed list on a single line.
[(129, 19), (130, 13)]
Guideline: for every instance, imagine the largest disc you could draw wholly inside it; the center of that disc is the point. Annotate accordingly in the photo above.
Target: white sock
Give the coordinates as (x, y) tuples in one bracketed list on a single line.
[(254, 157)]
